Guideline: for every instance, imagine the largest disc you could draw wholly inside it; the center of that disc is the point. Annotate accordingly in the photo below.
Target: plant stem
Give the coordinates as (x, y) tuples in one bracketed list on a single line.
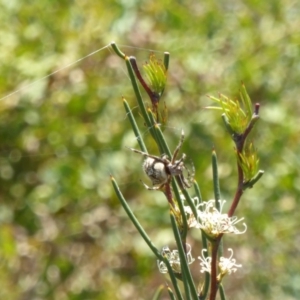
[(189, 285), (214, 285), (144, 235), (117, 50), (240, 142), (134, 127)]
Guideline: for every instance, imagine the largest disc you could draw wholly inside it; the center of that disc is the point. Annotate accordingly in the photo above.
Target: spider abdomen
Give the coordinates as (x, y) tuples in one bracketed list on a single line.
[(155, 170)]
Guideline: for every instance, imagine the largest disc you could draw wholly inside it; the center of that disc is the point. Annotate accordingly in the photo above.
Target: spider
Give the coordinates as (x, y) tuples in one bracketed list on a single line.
[(160, 169)]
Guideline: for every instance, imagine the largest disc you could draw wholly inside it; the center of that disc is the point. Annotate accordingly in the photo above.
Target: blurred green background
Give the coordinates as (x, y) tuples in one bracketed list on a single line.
[(63, 234)]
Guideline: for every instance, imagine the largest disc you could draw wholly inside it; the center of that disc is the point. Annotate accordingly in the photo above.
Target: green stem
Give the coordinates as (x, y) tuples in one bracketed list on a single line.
[(171, 294), (135, 86), (182, 212), (144, 235), (162, 142), (222, 292), (134, 220), (166, 60), (117, 50), (158, 142), (158, 292), (152, 95), (250, 183), (205, 288), (227, 125), (216, 183), (197, 191), (166, 64), (173, 280), (139, 96), (165, 148), (189, 285), (217, 192), (190, 202), (135, 127)]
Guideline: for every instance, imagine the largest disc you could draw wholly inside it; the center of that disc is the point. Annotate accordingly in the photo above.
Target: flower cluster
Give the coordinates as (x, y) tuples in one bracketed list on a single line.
[(214, 223), (174, 259), (226, 265)]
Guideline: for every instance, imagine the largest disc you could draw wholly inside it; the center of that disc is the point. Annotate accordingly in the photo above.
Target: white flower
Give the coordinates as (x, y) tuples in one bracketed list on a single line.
[(205, 262), (174, 259), (214, 222), (226, 265)]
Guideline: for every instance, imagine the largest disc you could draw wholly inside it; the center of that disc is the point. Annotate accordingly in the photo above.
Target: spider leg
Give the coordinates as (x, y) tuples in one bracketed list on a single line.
[(185, 182), (178, 147), (138, 151), (178, 162), (153, 188), (157, 158), (180, 181), (188, 182)]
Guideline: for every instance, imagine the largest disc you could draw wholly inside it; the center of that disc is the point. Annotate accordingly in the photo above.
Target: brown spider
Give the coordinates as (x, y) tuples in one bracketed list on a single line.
[(160, 169)]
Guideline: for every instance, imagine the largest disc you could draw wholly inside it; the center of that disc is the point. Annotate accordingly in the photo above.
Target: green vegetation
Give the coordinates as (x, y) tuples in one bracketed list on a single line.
[(63, 233)]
